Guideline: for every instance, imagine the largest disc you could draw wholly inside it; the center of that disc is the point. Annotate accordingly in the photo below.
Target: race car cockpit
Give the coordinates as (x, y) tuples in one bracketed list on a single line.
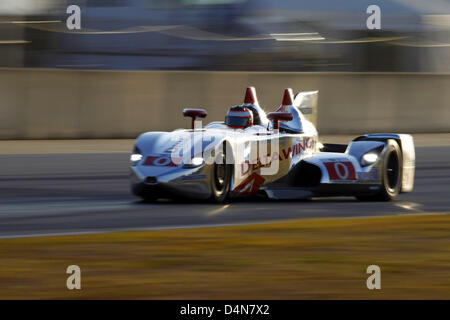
[(258, 122)]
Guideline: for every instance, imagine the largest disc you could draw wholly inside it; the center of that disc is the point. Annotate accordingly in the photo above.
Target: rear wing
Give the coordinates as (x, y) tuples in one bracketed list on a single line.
[(306, 102)]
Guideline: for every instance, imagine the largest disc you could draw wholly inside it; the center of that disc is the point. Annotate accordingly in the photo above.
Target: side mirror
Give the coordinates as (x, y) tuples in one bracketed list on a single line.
[(194, 114), (279, 116)]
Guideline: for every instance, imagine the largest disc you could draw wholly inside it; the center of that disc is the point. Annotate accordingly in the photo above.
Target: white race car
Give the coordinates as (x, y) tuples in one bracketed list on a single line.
[(277, 155)]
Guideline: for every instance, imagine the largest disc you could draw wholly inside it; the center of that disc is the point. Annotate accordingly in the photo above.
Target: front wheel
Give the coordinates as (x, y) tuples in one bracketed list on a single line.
[(392, 172), (221, 177)]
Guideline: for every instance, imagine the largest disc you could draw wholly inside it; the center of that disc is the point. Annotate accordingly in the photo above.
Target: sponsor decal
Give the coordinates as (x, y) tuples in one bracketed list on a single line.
[(159, 161), (340, 170), (250, 185), (255, 164), (300, 147)]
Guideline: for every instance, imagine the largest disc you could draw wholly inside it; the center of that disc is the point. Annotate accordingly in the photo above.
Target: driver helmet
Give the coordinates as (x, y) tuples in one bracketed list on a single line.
[(239, 117)]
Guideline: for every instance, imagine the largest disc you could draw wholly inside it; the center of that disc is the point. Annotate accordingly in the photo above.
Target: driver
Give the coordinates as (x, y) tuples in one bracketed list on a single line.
[(239, 117)]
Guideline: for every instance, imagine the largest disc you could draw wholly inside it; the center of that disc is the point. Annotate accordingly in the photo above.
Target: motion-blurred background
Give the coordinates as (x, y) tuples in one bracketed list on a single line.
[(220, 35), (262, 35)]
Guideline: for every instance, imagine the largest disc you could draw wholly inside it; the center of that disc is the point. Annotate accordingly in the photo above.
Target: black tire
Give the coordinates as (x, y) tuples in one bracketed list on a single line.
[(391, 171), (221, 177)]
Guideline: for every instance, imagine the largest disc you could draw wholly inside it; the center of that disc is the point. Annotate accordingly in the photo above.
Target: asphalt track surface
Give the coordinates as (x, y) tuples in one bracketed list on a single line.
[(53, 194)]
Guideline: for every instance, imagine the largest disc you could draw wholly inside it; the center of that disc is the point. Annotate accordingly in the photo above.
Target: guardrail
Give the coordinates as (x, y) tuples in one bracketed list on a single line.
[(59, 104)]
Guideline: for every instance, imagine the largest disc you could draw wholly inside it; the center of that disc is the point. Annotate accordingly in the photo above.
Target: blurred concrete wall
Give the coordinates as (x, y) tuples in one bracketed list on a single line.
[(43, 104)]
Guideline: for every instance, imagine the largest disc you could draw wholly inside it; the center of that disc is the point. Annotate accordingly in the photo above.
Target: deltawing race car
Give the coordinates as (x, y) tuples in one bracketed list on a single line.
[(276, 155)]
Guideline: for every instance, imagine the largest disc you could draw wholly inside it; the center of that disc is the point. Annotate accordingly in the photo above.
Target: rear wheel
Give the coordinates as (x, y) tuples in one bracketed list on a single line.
[(391, 171), (221, 176)]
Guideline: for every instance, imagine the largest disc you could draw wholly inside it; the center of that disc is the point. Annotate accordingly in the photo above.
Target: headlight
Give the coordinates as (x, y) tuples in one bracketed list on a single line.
[(195, 162), (136, 156), (369, 158)]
